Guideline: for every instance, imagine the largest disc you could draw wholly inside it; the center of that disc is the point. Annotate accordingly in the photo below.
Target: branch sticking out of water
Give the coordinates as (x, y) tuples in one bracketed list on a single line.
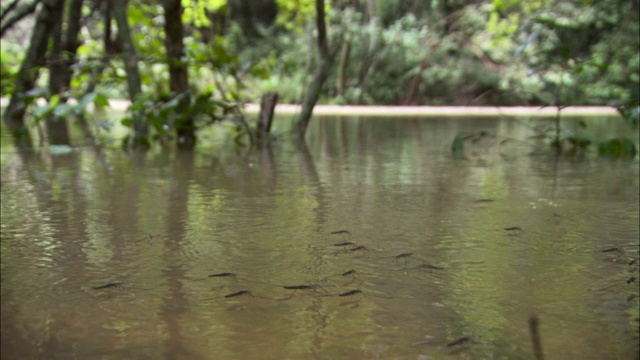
[(535, 337)]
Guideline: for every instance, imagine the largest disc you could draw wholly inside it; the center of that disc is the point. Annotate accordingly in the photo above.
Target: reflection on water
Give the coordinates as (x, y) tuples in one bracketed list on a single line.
[(109, 257)]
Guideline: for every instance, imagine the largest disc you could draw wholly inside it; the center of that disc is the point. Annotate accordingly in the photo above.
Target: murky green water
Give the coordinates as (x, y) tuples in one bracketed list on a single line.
[(160, 226)]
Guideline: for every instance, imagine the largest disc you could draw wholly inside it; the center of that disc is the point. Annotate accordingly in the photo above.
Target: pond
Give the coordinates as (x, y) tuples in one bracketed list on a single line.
[(370, 241)]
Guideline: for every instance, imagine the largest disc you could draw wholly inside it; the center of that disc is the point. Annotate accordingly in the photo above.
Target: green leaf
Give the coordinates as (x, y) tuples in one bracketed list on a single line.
[(36, 93), (41, 112), (54, 101), (84, 101), (580, 142), (101, 100), (62, 110), (60, 149), (128, 122), (457, 146), (618, 148)]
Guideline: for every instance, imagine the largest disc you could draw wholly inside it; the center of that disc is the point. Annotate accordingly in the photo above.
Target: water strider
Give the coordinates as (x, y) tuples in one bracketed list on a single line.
[(344, 243), (403, 256), (350, 292), (107, 286), (239, 293), (429, 266), (359, 247), (223, 274), (459, 341), (300, 287)]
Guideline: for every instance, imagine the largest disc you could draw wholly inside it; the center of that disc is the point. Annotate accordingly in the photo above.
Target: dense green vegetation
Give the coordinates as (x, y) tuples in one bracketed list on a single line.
[(223, 53)]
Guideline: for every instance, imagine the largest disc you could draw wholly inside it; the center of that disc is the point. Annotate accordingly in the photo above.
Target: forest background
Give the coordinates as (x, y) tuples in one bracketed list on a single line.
[(186, 64)]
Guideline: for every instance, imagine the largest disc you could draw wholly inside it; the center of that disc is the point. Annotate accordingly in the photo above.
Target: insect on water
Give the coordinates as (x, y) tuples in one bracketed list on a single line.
[(239, 293), (350, 292), (299, 287), (344, 243), (459, 341), (403, 256), (108, 286), (359, 248), (429, 266), (224, 274)]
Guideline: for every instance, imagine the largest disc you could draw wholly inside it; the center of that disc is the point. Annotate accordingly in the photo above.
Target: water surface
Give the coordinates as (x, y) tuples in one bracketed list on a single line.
[(159, 226)]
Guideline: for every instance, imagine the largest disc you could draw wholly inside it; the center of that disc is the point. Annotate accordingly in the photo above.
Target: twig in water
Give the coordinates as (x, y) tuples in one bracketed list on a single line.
[(341, 232), (513, 228)]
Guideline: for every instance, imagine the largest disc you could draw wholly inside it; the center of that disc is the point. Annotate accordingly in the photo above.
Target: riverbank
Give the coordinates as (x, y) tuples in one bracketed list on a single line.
[(414, 111), (441, 111)]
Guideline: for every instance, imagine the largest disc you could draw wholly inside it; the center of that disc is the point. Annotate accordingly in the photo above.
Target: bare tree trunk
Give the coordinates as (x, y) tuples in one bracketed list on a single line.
[(134, 82), (174, 33), (342, 68), (413, 96), (326, 59), (28, 74), (267, 106), (57, 130), (71, 39), (60, 72)]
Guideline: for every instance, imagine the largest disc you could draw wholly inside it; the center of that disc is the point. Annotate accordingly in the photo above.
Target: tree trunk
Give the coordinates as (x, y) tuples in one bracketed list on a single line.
[(267, 106), (134, 82), (28, 74), (178, 75), (342, 68), (311, 97), (71, 39), (413, 96), (324, 66), (57, 130), (60, 72)]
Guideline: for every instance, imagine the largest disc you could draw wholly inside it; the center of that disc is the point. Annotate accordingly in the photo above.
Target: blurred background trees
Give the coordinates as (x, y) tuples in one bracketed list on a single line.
[(199, 61)]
